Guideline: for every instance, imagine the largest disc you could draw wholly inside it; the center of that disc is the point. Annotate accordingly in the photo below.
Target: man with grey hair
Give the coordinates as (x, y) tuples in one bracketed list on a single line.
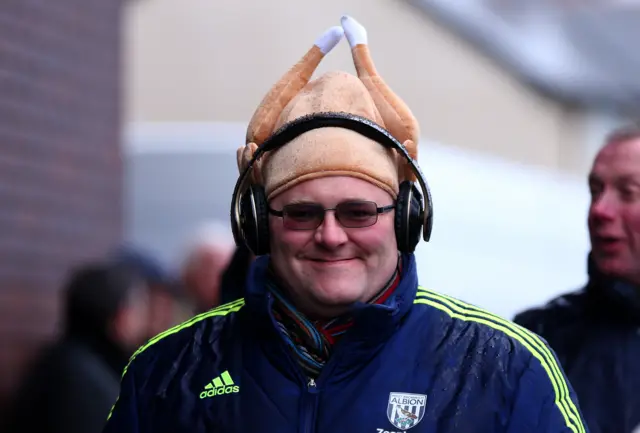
[(208, 253), (595, 331)]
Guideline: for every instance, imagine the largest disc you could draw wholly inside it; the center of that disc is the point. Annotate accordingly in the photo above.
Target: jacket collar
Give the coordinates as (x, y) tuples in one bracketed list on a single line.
[(612, 299), (373, 322)]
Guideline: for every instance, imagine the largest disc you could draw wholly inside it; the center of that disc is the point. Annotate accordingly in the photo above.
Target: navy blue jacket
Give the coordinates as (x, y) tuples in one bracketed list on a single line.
[(422, 362), (596, 334)]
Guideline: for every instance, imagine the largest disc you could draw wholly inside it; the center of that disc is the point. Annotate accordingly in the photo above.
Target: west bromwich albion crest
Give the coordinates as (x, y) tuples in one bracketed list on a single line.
[(406, 410)]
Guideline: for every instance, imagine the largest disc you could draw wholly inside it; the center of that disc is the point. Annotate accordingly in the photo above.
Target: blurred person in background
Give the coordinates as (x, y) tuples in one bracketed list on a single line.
[(74, 383), (209, 252), (334, 334), (165, 295), (596, 331)]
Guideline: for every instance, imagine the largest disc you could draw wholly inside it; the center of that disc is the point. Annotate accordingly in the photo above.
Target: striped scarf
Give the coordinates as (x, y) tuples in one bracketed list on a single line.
[(311, 342)]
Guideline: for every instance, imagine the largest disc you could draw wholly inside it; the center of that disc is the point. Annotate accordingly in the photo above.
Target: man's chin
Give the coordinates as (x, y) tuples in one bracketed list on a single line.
[(612, 266), (342, 294)]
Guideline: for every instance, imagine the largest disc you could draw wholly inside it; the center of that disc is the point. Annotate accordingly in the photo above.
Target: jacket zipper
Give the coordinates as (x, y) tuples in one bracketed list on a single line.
[(310, 392), (310, 387), (310, 402)]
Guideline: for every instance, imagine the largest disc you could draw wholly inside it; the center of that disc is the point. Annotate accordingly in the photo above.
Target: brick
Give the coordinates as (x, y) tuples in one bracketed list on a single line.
[(60, 167)]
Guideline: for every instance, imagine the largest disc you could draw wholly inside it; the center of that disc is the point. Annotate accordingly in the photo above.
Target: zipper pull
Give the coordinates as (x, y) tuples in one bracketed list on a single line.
[(311, 384)]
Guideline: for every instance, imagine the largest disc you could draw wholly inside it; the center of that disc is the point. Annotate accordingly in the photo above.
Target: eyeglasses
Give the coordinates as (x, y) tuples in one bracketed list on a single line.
[(350, 214)]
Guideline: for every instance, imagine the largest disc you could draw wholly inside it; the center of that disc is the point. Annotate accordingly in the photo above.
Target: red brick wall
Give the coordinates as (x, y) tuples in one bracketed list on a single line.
[(60, 167)]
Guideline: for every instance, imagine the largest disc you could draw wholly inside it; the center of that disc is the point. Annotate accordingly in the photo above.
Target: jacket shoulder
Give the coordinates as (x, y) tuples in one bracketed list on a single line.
[(491, 344), (495, 356), (204, 328), (554, 315), (475, 330)]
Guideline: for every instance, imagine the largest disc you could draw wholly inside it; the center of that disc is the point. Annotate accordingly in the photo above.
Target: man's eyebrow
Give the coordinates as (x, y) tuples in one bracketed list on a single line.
[(300, 201), (344, 200), (625, 179), (629, 179)]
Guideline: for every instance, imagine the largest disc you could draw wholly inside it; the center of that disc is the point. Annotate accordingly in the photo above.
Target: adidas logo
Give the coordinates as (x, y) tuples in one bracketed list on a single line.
[(222, 384)]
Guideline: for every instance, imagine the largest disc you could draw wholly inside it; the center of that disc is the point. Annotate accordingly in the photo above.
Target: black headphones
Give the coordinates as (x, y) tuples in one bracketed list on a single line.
[(249, 208)]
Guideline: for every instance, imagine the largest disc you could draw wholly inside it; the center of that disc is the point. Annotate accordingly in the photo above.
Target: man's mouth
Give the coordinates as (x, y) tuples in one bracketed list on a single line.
[(607, 243), (607, 239), (331, 260)]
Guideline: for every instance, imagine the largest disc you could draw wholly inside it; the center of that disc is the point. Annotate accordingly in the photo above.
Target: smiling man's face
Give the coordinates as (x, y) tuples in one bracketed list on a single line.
[(614, 213), (327, 269)]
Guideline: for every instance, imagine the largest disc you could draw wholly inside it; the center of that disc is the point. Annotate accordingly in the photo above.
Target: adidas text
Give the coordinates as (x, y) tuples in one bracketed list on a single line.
[(219, 391), (220, 385)]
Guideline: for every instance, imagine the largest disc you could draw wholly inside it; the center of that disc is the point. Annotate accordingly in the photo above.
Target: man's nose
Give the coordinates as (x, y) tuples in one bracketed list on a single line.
[(330, 233), (604, 207)]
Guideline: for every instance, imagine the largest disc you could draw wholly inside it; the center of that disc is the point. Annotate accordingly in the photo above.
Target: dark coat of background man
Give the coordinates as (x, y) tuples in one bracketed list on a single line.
[(72, 386), (596, 331)]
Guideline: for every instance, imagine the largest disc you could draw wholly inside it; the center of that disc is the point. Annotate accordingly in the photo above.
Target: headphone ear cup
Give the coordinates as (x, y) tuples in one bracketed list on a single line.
[(254, 220), (408, 220), (427, 207)]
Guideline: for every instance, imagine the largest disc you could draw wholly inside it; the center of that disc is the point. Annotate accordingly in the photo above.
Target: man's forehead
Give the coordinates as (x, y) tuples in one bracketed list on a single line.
[(619, 159), (335, 188)]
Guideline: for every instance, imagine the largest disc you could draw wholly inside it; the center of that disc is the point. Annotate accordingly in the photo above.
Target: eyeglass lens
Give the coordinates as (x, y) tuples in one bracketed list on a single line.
[(309, 216)]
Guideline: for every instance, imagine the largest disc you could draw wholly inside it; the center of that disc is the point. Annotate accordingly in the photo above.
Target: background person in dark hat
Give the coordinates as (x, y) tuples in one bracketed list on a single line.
[(166, 296), (73, 384)]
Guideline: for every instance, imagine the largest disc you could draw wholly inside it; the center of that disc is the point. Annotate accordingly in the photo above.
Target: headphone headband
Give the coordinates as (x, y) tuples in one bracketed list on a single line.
[(299, 126)]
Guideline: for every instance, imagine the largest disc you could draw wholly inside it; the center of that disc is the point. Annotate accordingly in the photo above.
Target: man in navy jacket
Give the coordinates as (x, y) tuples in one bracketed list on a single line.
[(334, 333), (596, 330)]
